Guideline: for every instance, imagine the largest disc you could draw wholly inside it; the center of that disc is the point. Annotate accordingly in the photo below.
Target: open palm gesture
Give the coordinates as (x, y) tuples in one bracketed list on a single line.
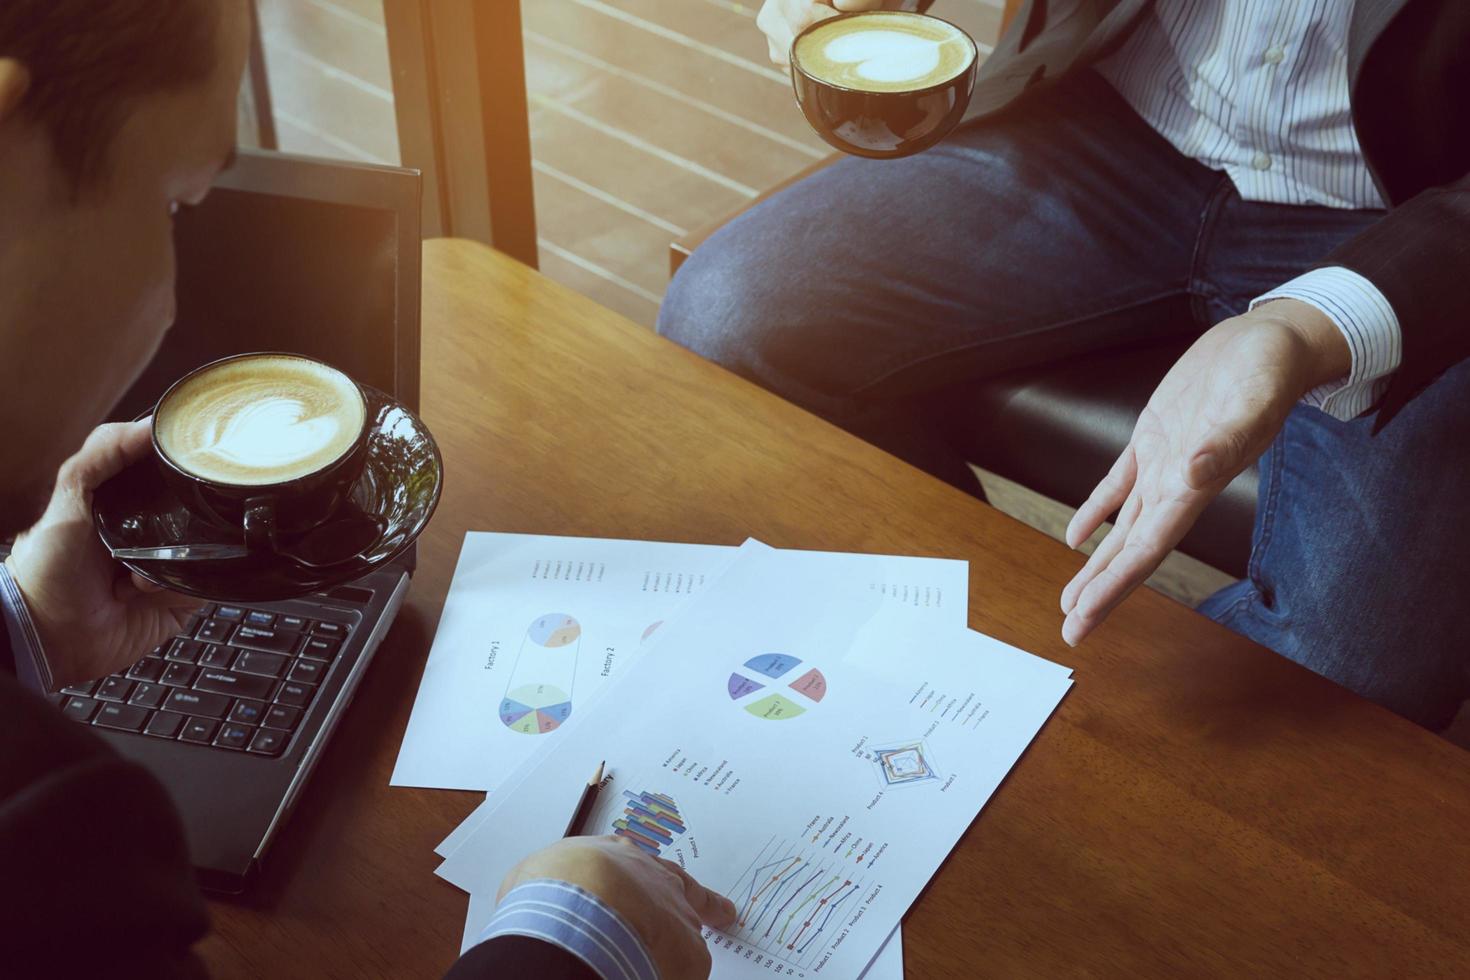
[(1214, 413)]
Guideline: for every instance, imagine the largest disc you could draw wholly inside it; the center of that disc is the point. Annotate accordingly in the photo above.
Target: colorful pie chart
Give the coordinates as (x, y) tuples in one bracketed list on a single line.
[(804, 687), (554, 630), (535, 709)]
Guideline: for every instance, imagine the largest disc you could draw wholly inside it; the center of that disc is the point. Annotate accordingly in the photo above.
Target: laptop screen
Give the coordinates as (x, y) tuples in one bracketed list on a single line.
[(293, 254)]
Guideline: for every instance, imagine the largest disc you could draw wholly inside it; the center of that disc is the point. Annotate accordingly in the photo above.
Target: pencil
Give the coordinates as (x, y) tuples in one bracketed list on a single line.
[(585, 804)]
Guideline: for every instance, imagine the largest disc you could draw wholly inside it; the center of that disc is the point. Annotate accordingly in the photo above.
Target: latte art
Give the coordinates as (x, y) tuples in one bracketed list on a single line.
[(885, 52), (260, 420)]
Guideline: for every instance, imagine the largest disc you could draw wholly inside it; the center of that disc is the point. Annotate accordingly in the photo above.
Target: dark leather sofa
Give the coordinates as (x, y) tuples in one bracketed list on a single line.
[(1056, 429)]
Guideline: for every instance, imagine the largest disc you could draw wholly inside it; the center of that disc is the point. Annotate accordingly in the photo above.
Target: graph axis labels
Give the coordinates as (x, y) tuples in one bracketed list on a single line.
[(538, 697), (776, 686), (789, 902)]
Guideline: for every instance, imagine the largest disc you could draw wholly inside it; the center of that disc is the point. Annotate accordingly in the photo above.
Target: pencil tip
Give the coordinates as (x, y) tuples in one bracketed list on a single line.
[(598, 777)]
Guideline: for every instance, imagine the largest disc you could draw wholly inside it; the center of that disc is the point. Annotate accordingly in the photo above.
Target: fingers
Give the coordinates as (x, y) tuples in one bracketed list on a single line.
[(143, 585), (133, 587), (781, 20), (107, 452), (771, 22), (1106, 497), (171, 601), (712, 908), (1109, 588), (1157, 529), (819, 11), (1106, 551)]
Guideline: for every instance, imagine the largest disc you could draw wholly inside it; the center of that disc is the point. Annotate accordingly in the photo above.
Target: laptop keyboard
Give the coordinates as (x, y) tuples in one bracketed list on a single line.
[(239, 679)]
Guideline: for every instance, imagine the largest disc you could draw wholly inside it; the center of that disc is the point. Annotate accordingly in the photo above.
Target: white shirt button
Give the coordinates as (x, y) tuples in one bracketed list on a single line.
[(1261, 161), (1274, 55)]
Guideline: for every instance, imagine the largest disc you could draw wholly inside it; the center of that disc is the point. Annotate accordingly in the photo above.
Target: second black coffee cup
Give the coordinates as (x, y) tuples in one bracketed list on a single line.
[(267, 443), (883, 83)]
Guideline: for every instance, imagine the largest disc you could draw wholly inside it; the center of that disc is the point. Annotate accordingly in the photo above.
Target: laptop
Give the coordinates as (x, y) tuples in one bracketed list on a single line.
[(295, 254)]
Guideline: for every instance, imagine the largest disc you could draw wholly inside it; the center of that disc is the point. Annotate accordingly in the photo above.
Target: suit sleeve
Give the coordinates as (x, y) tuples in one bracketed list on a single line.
[(96, 877), (1418, 256), (519, 956)]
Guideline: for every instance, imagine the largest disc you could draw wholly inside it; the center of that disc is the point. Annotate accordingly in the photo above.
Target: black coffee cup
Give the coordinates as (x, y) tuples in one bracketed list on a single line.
[(272, 513), (882, 124)]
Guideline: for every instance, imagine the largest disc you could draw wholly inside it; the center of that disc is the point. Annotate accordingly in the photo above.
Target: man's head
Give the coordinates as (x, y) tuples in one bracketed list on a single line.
[(113, 114)]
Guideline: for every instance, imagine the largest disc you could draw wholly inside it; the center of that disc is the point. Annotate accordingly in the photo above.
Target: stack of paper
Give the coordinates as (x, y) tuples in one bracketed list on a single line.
[(807, 733)]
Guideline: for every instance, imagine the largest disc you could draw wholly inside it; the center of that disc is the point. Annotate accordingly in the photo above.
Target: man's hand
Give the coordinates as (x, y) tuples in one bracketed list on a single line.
[(1214, 413), (781, 20), (92, 616), (659, 899)]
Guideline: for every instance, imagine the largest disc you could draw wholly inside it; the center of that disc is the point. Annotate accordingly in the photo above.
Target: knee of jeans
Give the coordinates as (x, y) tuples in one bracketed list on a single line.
[(727, 300), (1394, 650)]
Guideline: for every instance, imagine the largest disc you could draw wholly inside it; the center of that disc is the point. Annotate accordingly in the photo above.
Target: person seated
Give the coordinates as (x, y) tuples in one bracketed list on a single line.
[(1281, 183), (113, 115)]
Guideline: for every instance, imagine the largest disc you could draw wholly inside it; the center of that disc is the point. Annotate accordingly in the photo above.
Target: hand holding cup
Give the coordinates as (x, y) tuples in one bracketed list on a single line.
[(782, 20), (93, 617)]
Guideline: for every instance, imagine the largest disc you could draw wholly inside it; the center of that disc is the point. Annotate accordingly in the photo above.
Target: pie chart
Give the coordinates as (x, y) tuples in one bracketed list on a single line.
[(535, 709), (554, 630), (538, 698), (776, 686)]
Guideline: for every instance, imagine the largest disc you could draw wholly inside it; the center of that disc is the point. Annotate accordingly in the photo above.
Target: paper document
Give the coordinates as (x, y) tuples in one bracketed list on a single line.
[(887, 965), (533, 625), (803, 747)]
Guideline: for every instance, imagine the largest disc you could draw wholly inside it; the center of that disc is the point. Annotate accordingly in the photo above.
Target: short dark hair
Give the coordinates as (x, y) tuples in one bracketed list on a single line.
[(91, 60)]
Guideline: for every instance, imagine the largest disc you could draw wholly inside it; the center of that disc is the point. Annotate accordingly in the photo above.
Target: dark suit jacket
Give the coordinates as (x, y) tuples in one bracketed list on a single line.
[(94, 874), (1409, 75)]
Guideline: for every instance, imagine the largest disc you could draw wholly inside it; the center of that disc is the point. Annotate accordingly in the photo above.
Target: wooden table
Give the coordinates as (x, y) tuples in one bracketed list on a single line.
[(1197, 807)]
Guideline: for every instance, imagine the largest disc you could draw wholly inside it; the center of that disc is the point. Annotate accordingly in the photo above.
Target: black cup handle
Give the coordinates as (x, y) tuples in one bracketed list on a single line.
[(260, 524)]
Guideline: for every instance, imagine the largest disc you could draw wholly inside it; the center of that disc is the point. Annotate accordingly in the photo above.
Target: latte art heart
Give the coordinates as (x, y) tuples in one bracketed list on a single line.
[(885, 56), (889, 51), (272, 433), (260, 420)]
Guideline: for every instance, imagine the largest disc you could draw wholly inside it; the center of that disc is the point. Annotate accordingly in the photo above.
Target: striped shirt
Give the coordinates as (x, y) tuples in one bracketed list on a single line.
[(559, 912), (31, 667), (1259, 89)]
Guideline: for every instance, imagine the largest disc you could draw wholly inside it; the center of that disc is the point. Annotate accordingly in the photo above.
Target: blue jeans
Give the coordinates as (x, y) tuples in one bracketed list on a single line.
[(1067, 227)]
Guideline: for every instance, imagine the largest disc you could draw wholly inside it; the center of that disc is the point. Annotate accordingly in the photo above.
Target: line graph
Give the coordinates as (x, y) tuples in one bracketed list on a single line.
[(791, 901)]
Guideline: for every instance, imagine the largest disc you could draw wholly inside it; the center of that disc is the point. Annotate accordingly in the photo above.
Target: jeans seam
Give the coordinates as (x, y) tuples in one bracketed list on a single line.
[(888, 372), (1268, 511), (1226, 615), (1194, 284)]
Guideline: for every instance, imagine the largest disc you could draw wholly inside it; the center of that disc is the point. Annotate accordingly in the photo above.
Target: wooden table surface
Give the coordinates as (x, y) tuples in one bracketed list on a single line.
[(1197, 807)]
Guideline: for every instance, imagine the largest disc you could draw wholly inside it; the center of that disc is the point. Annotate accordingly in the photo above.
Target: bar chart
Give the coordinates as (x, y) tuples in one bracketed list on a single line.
[(650, 820)]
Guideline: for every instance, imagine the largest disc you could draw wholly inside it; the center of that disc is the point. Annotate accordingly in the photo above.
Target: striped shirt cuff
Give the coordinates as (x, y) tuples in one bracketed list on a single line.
[(31, 668), (560, 913), (1368, 324)]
